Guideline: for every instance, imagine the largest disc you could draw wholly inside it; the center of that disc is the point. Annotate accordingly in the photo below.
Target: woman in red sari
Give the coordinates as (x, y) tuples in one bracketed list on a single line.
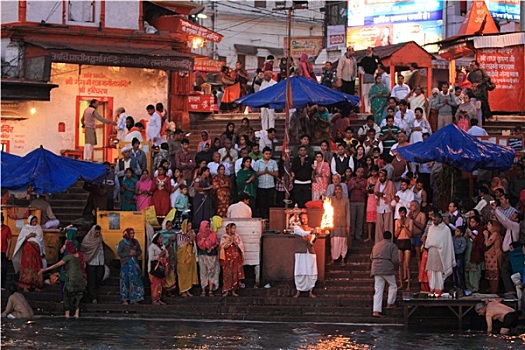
[(321, 176), (221, 189), (28, 255), (161, 188), (231, 254)]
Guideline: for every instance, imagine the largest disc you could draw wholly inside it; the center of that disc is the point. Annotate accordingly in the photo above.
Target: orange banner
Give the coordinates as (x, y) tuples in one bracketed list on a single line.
[(506, 68)]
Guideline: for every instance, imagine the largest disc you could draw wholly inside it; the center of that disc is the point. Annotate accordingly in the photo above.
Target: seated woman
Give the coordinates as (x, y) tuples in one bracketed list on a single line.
[(17, 306)]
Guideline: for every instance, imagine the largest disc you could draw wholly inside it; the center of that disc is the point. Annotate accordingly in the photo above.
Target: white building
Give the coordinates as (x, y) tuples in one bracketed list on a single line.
[(252, 30)]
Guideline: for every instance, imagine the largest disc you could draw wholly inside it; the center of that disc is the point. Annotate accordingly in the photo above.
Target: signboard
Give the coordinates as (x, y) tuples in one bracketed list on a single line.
[(504, 9), (123, 60), (335, 36), (506, 68), (205, 64), (201, 103), (311, 45), (194, 29), (385, 22)]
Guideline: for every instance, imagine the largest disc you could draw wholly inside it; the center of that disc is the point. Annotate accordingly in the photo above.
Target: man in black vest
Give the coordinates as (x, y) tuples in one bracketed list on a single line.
[(302, 169), (340, 162), (454, 216)]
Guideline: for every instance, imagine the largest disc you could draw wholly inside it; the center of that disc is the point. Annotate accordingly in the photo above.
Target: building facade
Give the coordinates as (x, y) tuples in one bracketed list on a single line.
[(58, 55)]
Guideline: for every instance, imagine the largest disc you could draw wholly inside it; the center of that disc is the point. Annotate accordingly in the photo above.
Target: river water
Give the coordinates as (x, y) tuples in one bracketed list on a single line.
[(112, 333)]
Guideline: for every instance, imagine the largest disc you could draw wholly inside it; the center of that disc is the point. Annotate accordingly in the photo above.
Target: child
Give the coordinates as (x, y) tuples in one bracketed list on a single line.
[(460, 244), (182, 203)]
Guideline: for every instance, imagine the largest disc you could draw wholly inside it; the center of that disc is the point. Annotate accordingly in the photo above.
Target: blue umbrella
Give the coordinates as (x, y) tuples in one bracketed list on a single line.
[(48, 173), (455, 147), (304, 91), (9, 159)]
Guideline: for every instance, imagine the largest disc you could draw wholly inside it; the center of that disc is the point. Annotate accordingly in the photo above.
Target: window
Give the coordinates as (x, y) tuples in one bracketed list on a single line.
[(81, 11), (260, 4), (260, 62), (242, 59)]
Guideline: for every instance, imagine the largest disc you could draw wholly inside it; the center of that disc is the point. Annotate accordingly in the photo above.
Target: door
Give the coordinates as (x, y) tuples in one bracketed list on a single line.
[(102, 150)]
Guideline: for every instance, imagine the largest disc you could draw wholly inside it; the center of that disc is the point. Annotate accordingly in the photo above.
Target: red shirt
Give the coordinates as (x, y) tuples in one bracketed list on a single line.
[(4, 237)]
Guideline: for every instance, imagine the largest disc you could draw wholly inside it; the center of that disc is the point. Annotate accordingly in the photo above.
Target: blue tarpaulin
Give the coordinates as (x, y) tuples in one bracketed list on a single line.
[(9, 159), (48, 173), (304, 91), (455, 147)]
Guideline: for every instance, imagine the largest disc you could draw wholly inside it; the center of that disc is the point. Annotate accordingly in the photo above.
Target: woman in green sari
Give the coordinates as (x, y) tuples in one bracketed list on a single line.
[(247, 180), (169, 240), (129, 185), (378, 96)]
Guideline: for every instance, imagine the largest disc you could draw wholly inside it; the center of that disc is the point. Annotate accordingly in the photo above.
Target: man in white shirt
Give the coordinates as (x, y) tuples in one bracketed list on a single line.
[(228, 154), (362, 133), (454, 218), (266, 138), (385, 77), (475, 130), (403, 198), (267, 114), (154, 126), (347, 71), (238, 163), (214, 166), (241, 209), (404, 118), (401, 90)]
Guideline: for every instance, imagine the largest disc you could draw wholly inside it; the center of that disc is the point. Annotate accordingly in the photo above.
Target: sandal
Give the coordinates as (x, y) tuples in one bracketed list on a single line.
[(235, 294), (210, 294), (203, 294), (225, 294)]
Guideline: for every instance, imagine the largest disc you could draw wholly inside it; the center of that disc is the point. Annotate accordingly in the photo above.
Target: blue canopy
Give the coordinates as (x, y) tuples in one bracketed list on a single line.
[(9, 159), (304, 91), (455, 147), (48, 173)]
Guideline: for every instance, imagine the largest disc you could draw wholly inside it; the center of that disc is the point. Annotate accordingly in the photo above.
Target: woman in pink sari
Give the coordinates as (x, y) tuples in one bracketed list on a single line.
[(321, 177), (305, 68), (143, 190)]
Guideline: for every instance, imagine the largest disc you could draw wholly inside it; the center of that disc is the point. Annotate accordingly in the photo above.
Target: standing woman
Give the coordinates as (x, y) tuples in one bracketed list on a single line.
[(247, 181), (144, 191), (306, 69), (231, 254), (320, 176), (242, 78), (417, 99), (202, 209), (28, 254), (207, 246), (93, 249), (232, 89), (161, 188), (378, 95), (493, 254), (474, 254), (157, 254), (229, 134), (169, 240), (186, 259), (371, 204), (222, 190), (128, 191), (205, 140), (128, 250), (76, 278)]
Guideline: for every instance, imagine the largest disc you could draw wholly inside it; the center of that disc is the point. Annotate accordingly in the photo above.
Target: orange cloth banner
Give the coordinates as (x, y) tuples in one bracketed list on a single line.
[(506, 68)]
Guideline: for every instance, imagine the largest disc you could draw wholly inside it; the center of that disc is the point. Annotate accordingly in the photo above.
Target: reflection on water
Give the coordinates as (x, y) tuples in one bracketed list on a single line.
[(111, 333)]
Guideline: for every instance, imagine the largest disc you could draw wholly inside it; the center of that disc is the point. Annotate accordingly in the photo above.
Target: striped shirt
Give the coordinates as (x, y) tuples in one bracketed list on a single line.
[(265, 181)]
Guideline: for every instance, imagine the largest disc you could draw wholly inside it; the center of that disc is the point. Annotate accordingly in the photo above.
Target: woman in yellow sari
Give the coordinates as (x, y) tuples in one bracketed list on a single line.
[(169, 238), (186, 259)]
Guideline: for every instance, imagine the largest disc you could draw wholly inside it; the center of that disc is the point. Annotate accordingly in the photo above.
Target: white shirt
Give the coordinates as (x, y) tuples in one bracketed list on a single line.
[(215, 166), (406, 122), (121, 126), (264, 140), (134, 134), (477, 131), (239, 210), (404, 201), (382, 206), (265, 84), (330, 191), (400, 91), (363, 131), (459, 221), (333, 165), (238, 165), (154, 127)]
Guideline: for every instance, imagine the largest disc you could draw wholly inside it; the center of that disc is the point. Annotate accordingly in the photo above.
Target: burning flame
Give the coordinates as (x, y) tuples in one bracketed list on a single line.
[(246, 110), (327, 221)]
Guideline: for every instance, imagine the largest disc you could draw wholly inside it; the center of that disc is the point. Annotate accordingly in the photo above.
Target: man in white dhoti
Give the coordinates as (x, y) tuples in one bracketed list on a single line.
[(441, 258), (305, 271)]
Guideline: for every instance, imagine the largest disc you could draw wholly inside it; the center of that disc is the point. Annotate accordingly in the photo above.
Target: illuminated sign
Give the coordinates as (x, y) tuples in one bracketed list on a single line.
[(504, 9), (386, 22)]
